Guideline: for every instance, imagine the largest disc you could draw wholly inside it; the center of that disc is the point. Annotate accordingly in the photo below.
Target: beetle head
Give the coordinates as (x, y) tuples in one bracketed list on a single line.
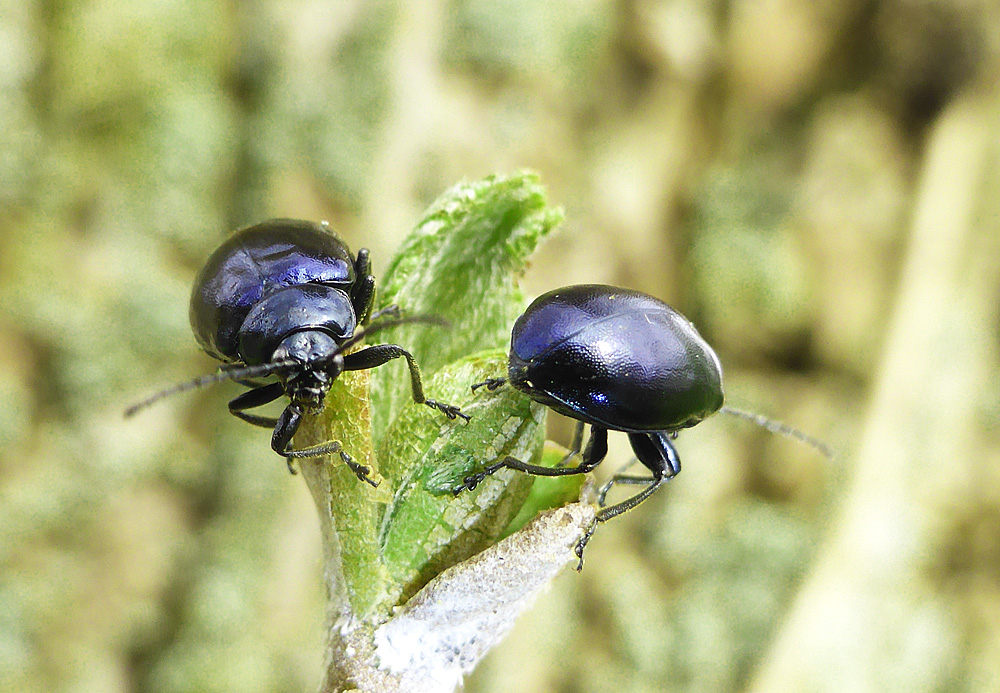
[(319, 363), (307, 362)]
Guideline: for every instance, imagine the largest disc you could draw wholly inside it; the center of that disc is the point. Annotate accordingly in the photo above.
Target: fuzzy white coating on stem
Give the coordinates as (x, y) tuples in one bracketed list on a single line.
[(446, 628)]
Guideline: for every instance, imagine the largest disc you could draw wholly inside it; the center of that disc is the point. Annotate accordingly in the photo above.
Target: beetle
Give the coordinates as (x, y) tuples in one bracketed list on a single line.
[(618, 360), (286, 298)]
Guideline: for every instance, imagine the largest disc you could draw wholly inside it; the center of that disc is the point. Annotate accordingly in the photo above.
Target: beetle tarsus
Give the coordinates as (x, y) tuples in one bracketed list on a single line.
[(470, 482), (490, 383), (361, 471), (449, 410), (582, 544)]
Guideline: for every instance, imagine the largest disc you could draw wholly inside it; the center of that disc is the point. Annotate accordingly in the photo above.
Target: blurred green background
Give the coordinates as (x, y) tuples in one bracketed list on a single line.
[(815, 184)]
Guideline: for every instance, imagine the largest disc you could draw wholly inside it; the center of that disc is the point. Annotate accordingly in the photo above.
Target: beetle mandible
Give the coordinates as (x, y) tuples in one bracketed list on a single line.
[(618, 360), (287, 298)]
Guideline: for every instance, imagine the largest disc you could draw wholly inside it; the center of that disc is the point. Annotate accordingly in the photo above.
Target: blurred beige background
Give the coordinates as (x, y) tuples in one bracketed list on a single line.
[(813, 183)]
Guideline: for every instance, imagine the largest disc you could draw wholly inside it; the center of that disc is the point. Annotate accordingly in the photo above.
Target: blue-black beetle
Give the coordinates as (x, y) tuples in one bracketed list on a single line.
[(286, 298), (618, 360)]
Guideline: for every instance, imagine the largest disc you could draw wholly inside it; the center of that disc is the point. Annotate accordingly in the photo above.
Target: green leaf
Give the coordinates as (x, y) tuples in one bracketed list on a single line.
[(426, 527), (461, 263)]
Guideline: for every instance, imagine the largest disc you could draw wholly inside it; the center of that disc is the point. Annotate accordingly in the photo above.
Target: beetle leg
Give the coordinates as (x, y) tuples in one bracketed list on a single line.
[(257, 397), (281, 442), (574, 447), (490, 383), (253, 419), (284, 431), (363, 290), (597, 449), (620, 480), (360, 470), (373, 356), (620, 477), (449, 410), (657, 453)]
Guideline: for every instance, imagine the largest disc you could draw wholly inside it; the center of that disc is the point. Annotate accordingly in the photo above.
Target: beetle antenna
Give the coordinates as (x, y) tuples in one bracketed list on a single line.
[(780, 429), (237, 372), (223, 374)]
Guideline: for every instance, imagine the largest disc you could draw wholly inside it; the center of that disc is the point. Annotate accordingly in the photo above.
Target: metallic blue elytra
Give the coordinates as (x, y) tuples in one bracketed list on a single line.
[(618, 360), (286, 299), (256, 261), (615, 358)]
